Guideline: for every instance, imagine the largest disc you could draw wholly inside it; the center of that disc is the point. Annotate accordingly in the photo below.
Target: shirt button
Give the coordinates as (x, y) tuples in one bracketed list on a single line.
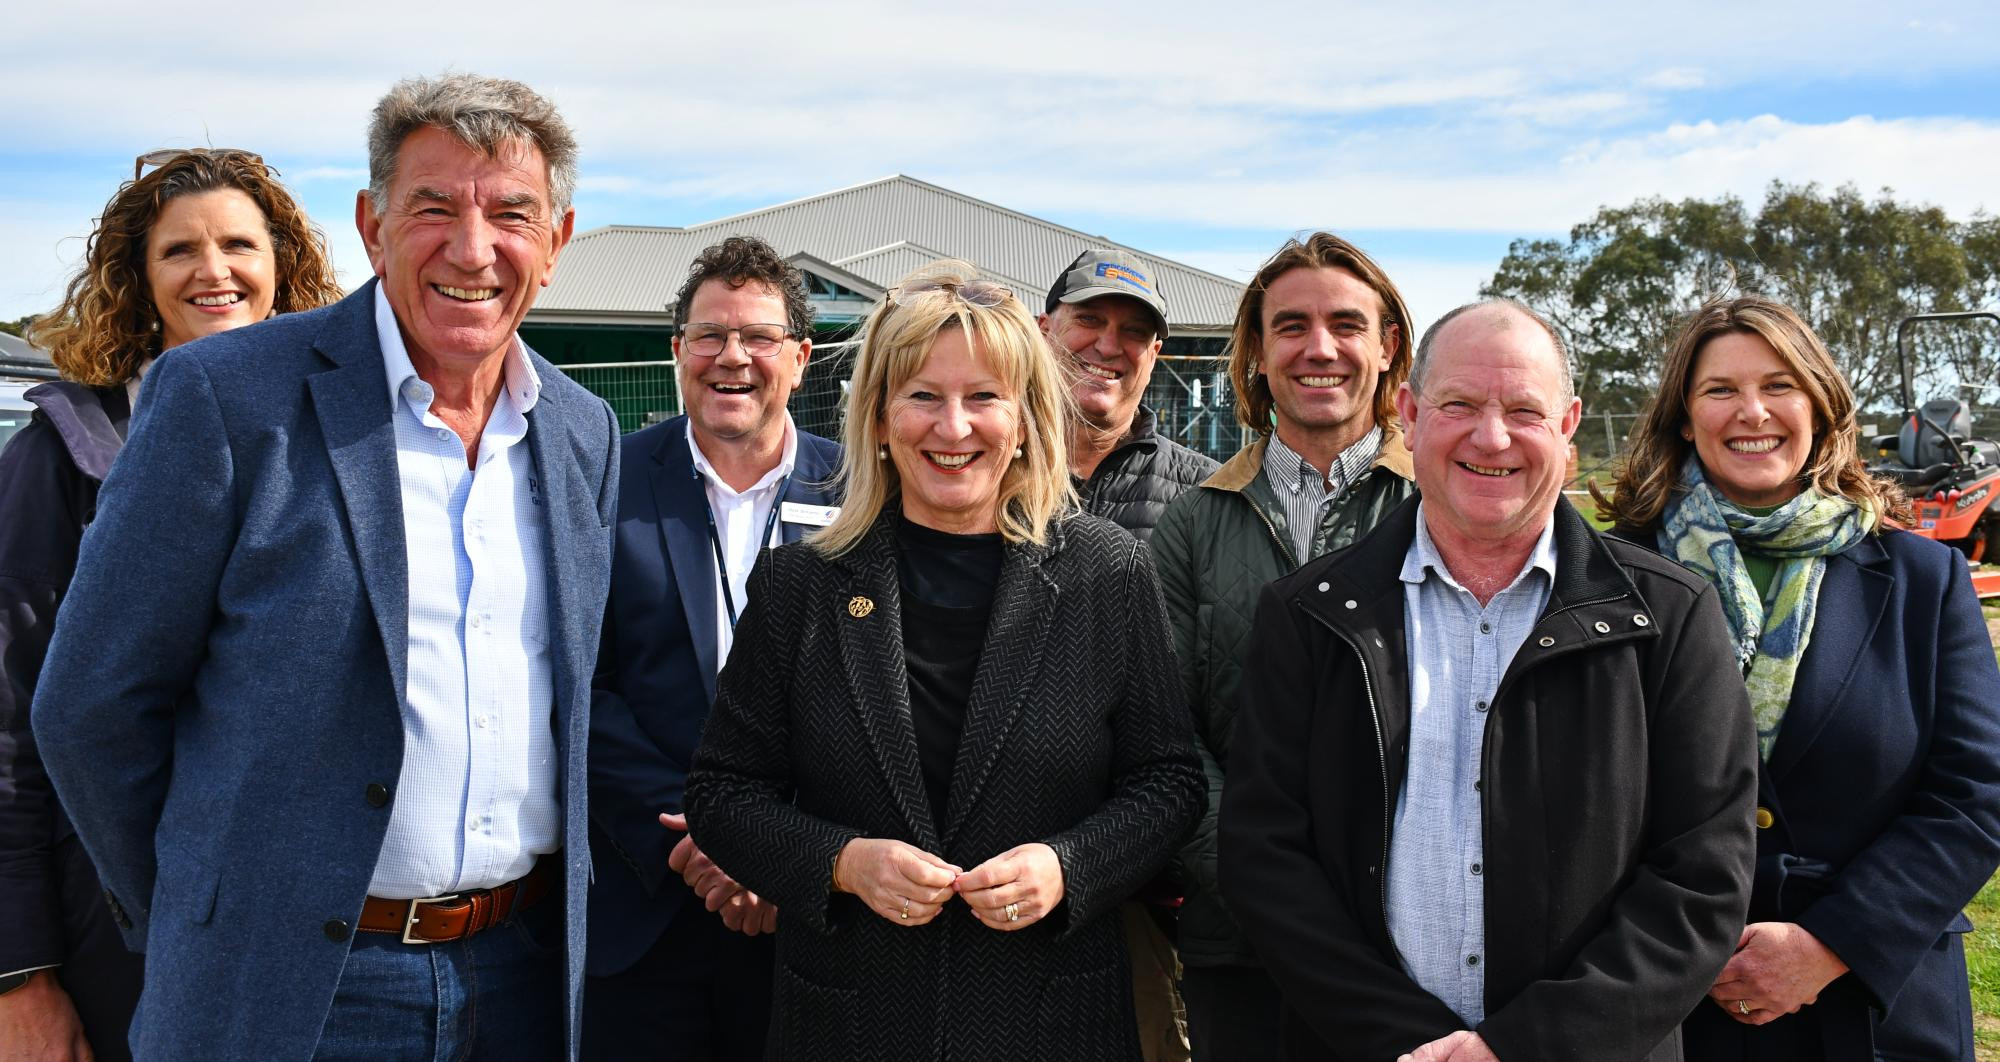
[(1477, 869), (335, 930), (1472, 960), (475, 619), (444, 433), (482, 720), (1479, 706), (1485, 628)]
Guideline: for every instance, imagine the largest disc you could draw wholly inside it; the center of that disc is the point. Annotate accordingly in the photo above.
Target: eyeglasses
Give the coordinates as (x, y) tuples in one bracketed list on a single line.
[(705, 340), (983, 293), (156, 159)]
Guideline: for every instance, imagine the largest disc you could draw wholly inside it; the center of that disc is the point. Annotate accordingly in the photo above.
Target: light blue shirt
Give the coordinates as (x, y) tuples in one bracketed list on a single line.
[(1458, 653), (1306, 496), (476, 800)]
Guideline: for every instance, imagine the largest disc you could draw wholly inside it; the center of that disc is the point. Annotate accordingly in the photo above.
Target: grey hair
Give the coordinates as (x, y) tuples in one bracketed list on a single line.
[(1422, 362), (484, 113)]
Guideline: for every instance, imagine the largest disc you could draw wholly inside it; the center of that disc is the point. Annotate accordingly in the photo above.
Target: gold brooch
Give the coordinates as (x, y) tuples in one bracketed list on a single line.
[(859, 607)]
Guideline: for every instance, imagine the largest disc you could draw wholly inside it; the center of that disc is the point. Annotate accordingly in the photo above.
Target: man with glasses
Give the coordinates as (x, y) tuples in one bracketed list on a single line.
[(318, 702), (1106, 314), (680, 957)]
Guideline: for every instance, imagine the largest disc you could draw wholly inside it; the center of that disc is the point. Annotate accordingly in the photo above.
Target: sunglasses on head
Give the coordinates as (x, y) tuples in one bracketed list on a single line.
[(153, 160)]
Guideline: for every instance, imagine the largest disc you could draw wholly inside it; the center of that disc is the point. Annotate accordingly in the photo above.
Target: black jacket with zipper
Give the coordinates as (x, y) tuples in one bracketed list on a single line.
[(1136, 481), (1617, 783)]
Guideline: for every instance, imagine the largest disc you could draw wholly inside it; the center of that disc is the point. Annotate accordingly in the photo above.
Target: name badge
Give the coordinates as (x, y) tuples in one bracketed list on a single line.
[(810, 515)]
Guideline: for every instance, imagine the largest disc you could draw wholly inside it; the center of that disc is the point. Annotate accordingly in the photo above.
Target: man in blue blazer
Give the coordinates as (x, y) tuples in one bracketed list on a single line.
[(700, 498), (318, 699)]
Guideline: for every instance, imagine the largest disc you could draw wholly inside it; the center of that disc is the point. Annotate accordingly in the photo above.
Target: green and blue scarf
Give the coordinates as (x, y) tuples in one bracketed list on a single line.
[(1708, 533)]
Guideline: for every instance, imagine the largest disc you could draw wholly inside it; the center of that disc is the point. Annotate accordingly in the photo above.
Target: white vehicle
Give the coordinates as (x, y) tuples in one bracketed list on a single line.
[(14, 409)]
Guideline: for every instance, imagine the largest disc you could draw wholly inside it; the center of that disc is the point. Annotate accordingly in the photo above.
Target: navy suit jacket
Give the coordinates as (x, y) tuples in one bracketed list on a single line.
[(656, 679), (226, 679), (1883, 793)]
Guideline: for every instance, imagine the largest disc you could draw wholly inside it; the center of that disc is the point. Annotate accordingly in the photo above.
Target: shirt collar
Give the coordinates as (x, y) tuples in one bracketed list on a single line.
[(786, 459), (523, 384), (1423, 558), (1285, 468)]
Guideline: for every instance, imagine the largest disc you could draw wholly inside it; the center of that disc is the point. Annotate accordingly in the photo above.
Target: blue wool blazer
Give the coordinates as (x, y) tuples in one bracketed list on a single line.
[(656, 679), (1883, 794), (226, 679)]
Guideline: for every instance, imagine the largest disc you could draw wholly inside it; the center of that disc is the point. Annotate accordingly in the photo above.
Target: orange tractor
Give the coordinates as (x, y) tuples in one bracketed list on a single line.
[(1952, 478)]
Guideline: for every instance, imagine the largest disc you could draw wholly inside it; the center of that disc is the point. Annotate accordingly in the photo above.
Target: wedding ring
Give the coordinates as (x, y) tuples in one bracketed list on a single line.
[(1742, 1006), (1013, 912), (906, 908)]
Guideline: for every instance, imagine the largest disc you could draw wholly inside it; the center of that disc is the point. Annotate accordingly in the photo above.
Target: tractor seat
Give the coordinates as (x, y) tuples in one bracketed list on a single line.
[(1914, 480)]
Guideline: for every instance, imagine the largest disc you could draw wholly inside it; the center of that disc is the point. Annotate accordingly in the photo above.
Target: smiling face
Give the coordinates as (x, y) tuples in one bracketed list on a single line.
[(1114, 342), (734, 397), (1322, 351), (951, 430), (463, 246), (1489, 435), (1750, 420), (209, 265)]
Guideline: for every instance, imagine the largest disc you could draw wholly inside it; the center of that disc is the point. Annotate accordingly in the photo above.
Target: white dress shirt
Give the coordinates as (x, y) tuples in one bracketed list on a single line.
[(740, 519), (476, 800)]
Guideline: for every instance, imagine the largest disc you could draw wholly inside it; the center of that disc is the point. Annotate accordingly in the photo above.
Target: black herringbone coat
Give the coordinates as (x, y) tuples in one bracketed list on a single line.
[(1075, 735)]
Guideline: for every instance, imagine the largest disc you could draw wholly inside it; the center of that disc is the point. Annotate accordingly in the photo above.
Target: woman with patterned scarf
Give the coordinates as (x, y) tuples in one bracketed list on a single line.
[(1873, 683)]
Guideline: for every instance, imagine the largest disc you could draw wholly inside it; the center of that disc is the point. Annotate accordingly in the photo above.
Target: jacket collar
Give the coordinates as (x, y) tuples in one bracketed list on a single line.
[(91, 421), (1239, 471), (867, 612)]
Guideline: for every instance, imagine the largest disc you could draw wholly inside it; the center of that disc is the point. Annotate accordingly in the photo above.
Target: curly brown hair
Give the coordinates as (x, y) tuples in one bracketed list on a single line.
[(1321, 250), (737, 261), (1651, 472), (106, 325)]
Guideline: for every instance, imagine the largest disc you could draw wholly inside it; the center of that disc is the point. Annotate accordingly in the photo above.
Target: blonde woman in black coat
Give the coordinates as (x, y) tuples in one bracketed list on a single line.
[(949, 740)]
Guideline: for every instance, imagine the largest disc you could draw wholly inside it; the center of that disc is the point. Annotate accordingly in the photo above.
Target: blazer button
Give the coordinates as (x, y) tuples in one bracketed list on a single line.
[(118, 914), (1764, 818), (335, 930), (378, 794)]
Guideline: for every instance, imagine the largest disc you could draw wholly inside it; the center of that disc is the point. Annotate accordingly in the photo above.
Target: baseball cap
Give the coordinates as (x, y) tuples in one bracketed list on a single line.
[(1107, 272)]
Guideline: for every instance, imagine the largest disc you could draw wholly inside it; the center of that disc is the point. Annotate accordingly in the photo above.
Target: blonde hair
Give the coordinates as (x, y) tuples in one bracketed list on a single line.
[(1651, 472), (896, 341), (107, 325)]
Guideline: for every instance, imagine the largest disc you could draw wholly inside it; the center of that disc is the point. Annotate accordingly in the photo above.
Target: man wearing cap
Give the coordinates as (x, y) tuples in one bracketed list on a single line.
[(1318, 350), (1106, 313)]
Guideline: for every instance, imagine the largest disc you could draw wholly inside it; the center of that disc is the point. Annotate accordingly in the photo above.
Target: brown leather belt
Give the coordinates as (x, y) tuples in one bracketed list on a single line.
[(439, 919)]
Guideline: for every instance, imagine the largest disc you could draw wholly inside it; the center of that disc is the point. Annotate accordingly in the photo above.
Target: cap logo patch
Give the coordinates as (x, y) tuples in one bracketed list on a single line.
[(1130, 276)]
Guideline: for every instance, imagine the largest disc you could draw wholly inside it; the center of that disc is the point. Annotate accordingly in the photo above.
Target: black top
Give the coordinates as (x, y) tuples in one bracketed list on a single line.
[(947, 586)]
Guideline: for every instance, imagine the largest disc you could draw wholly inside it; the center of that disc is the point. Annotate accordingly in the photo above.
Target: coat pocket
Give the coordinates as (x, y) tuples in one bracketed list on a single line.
[(813, 1021), (184, 886), (1089, 1014)]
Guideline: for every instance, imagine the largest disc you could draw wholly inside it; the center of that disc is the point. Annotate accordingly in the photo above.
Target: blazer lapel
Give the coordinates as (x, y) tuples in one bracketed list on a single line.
[(677, 491), (352, 402), (868, 615), (1852, 598), (1024, 605)]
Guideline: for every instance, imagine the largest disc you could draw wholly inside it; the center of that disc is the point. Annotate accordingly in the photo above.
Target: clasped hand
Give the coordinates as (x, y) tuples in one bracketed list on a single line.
[(742, 911), (1778, 968), (909, 886), (1461, 1046)]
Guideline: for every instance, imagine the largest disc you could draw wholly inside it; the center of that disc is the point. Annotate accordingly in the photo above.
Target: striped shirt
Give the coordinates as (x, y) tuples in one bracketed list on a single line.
[(1306, 496)]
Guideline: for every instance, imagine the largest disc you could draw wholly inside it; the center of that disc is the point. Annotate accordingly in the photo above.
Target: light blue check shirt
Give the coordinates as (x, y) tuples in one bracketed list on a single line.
[(476, 801), (1458, 653), (1305, 495)]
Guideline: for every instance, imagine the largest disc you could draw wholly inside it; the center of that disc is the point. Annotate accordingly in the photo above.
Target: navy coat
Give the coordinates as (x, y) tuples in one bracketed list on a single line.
[(225, 685), (1883, 793), (656, 680)]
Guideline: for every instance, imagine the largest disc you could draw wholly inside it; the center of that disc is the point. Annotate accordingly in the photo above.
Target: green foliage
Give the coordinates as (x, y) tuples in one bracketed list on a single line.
[(17, 328), (1853, 267)]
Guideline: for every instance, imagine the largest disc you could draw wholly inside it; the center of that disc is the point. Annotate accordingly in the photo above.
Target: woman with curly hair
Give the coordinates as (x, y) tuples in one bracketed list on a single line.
[(1872, 684), (206, 241)]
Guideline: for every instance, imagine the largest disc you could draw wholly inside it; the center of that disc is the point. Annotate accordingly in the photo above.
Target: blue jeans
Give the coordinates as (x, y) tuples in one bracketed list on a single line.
[(495, 995)]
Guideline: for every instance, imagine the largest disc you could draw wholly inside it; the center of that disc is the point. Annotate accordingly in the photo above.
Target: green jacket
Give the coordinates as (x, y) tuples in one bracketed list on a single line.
[(1216, 547)]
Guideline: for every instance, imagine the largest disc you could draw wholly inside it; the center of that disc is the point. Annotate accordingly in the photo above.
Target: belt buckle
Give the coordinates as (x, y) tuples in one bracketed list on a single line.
[(410, 916)]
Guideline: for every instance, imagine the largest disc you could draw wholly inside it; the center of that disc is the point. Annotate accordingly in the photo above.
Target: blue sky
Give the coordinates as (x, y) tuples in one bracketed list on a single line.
[(1431, 134)]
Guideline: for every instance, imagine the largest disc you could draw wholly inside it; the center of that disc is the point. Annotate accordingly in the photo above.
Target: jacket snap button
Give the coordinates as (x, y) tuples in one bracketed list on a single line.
[(1353, 604), (1765, 818), (1641, 619), (1602, 627), (1545, 641), (335, 930), (378, 794), (1324, 587)]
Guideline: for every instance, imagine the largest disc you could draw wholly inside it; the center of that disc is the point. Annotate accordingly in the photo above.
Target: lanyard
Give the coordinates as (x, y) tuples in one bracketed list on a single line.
[(715, 539)]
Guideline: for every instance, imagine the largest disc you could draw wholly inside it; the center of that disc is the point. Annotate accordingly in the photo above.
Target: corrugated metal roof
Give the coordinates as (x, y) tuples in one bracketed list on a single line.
[(879, 231)]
